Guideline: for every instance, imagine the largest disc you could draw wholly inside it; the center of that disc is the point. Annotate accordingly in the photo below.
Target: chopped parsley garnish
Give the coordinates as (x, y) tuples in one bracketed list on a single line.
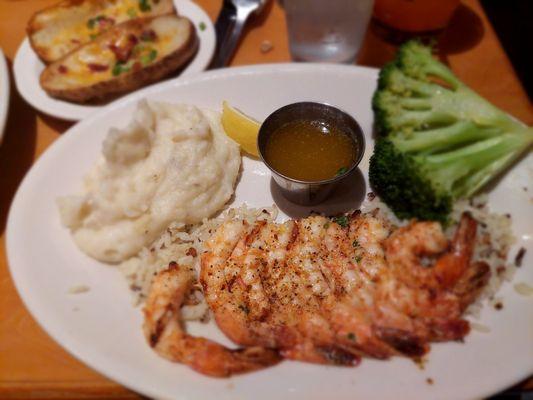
[(132, 13), (91, 23), (351, 336), (138, 49), (202, 26), (358, 259), (93, 36), (355, 243), (342, 221), (144, 5), (326, 225), (342, 170), (120, 68), (148, 58)]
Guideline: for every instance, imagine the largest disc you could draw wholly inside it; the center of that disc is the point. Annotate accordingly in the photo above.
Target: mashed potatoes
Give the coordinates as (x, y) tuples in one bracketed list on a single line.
[(173, 163)]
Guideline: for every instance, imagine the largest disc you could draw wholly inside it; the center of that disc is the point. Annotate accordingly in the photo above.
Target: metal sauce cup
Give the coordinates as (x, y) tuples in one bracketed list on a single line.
[(310, 192)]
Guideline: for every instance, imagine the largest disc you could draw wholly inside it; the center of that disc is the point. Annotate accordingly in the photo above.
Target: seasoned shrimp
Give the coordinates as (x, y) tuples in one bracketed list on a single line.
[(325, 293), (265, 285), (434, 297), (317, 291), (164, 333)]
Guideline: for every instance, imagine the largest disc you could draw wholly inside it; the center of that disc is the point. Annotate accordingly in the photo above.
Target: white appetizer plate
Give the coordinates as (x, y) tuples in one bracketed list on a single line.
[(4, 94), (27, 67), (103, 329)]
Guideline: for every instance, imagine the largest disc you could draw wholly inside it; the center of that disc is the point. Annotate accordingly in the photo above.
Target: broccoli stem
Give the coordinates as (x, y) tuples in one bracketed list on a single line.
[(473, 183), (463, 171), (439, 139), (422, 119)]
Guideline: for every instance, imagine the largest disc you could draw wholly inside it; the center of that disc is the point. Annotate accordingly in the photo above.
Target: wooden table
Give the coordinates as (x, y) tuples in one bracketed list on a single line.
[(34, 366)]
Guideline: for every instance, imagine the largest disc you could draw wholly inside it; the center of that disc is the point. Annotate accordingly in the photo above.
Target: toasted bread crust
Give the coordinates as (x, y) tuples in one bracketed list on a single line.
[(36, 24), (126, 82)]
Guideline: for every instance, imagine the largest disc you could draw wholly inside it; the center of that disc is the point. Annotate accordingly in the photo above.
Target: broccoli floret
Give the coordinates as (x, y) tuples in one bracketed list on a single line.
[(438, 140)]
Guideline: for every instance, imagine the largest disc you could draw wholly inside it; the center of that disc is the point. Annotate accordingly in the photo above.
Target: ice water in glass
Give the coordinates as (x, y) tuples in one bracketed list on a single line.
[(327, 30)]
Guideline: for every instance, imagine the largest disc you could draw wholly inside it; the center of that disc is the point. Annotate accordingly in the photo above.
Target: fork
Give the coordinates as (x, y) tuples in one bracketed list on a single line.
[(229, 26)]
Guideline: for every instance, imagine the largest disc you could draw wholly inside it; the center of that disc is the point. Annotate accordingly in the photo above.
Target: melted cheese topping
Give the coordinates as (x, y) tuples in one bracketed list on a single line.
[(96, 62), (61, 29), (81, 32)]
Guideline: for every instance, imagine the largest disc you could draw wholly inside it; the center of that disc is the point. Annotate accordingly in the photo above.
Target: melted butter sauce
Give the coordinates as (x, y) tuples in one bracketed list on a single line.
[(310, 150)]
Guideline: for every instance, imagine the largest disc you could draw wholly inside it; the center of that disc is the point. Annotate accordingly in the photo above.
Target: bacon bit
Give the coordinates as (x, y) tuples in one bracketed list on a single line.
[(500, 270), (148, 35), (498, 306), (122, 54), (429, 381), (123, 50), (191, 252), (62, 69), (133, 39), (519, 257), (98, 67), (105, 22)]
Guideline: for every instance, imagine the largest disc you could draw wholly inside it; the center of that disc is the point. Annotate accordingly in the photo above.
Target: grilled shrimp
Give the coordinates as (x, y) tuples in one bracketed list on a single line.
[(327, 293), (265, 286), (317, 291), (433, 296), (163, 331)]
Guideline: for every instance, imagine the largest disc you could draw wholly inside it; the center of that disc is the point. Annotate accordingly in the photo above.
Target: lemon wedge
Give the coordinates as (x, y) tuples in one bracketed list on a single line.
[(241, 128)]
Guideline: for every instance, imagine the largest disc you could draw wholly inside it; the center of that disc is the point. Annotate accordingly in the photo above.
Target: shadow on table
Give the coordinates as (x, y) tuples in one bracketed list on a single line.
[(17, 149), (55, 124), (464, 32)]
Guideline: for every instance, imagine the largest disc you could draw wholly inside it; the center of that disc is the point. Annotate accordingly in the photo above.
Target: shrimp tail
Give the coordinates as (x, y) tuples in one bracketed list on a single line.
[(452, 265), (213, 359), (404, 342), (445, 329), (165, 334), (333, 355), (472, 283)]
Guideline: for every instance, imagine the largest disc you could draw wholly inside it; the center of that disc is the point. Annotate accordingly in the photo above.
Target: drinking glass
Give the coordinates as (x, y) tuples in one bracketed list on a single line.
[(326, 30)]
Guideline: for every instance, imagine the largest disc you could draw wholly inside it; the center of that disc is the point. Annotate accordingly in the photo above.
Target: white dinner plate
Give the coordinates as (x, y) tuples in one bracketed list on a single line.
[(27, 67), (4, 94), (103, 329)]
